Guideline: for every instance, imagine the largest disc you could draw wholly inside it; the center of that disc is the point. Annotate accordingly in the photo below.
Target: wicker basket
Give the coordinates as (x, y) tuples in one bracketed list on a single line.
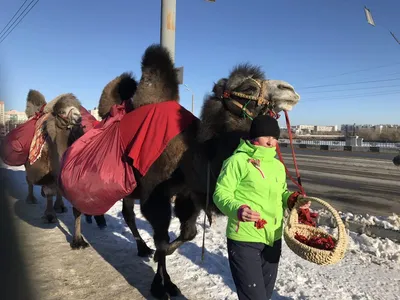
[(317, 256)]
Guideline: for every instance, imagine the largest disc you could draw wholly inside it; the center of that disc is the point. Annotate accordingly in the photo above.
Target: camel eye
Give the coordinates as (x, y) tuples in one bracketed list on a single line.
[(285, 87)]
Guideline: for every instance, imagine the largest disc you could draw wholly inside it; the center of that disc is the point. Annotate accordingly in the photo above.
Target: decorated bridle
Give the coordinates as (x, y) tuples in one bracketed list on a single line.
[(262, 84)]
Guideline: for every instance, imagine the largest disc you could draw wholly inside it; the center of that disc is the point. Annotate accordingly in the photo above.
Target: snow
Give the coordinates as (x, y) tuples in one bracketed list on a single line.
[(392, 222), (370, 269)]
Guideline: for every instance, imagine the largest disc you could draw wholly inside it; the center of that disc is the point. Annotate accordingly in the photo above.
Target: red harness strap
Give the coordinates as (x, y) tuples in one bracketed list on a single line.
[(298, 183)]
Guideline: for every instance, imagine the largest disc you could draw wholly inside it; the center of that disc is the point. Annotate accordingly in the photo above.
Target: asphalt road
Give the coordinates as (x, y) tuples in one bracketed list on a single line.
[(366, 183)]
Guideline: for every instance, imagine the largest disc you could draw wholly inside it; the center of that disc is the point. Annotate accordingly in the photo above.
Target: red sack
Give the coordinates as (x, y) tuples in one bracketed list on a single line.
[(17, 143), (94, 175), (88, 121)]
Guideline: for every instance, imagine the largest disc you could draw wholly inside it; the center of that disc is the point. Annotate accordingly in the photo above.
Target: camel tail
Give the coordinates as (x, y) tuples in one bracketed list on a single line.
[(34, 101), (119, 89), (159, 81)]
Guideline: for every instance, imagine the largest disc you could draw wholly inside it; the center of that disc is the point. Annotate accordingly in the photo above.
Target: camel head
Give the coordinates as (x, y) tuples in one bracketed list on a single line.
[(245, 94), (121, 88), (66, 109), (396, 160)]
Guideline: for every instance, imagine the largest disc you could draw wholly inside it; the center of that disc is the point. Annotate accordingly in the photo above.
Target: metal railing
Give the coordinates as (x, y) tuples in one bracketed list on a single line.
[(340, 143)]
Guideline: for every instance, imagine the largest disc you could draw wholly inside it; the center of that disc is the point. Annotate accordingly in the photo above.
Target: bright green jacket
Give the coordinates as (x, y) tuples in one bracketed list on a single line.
[(263, 189)]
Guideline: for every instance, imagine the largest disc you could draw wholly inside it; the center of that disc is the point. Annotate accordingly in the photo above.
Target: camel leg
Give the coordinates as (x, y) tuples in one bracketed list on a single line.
[(49, 214), (88, 219), (59, 205), (187, 212), (31, 197), (157, 210), (77, 240), (101, 221), (129, 217)]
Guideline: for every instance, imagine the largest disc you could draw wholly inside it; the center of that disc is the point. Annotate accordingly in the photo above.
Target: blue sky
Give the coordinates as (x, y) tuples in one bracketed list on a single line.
[(79, 46)]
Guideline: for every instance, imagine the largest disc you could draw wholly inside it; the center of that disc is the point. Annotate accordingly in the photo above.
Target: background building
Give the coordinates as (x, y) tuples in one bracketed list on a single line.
[(2, 114), (95, 113)]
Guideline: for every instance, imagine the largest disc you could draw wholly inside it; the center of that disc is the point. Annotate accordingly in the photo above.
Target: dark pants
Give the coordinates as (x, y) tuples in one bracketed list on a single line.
[(254, 268)]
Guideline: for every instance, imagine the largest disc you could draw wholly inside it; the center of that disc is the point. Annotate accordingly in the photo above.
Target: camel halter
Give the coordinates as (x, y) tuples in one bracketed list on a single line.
[(260, 98), (65, 120)]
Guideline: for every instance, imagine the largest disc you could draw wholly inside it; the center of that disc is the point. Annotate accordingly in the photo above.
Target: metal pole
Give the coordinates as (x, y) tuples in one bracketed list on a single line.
[(190, 90), (167, 28)]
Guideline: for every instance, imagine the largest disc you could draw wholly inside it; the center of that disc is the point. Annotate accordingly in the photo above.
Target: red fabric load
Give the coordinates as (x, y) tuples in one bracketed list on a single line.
[(148, 129), (88, 121), (94, 175), (17, 143)]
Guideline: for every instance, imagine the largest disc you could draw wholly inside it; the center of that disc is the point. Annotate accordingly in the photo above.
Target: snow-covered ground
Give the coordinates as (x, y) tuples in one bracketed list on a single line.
[(370, 269), (392, 222)]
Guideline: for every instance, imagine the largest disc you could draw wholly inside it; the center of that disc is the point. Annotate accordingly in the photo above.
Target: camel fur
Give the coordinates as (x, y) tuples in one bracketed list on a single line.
[(183, 164), (35, 100), (62, 127), (159, 81), (121, 88)]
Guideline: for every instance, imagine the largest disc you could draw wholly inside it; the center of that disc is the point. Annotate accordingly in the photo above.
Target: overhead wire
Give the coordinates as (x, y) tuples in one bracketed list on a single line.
[(13, 17), (344, 97), (349, 83), (356, 89), (2, 38)]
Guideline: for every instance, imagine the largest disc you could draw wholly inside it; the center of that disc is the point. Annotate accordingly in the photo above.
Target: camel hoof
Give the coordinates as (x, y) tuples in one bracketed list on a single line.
[(172, 289), (60, 209), (31, 200), (79, 243), (158, 290), (145, 251), (50, 217)]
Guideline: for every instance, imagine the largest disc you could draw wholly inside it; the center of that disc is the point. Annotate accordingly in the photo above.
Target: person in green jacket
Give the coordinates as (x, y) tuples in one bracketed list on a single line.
[(252, 191)]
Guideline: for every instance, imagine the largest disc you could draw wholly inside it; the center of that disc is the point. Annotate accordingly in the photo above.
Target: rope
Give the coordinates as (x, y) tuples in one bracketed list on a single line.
[(203, 248), (298, 183)]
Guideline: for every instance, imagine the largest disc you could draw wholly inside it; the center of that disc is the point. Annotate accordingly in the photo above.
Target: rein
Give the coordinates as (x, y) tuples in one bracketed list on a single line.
[(298, 183), (203, 249)]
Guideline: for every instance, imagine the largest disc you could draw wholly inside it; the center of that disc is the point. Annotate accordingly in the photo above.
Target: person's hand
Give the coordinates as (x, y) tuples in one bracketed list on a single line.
[(303, 203), (248, 215)]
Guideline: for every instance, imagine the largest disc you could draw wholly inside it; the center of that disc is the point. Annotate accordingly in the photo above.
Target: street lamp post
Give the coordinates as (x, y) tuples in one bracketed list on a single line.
[(190, 90), (167, 30)]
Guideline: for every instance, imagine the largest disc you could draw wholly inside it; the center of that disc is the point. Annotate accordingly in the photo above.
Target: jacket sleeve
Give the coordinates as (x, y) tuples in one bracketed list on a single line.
[(227, 182)]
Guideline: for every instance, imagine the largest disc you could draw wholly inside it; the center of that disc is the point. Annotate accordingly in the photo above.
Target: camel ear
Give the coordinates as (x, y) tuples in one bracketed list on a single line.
[(219, 87)]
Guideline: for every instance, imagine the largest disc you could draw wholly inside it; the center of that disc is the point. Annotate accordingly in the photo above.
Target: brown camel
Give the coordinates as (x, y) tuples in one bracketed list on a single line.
[(61, 126), (35, 100), (181, 170)]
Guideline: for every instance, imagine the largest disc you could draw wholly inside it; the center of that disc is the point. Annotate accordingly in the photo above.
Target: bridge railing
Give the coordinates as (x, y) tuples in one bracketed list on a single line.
[(340, 143)]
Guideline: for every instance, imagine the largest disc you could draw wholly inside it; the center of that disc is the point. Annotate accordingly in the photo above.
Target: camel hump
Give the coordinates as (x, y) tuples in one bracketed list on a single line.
[(34, 101), (159, 81), (119, 89)]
